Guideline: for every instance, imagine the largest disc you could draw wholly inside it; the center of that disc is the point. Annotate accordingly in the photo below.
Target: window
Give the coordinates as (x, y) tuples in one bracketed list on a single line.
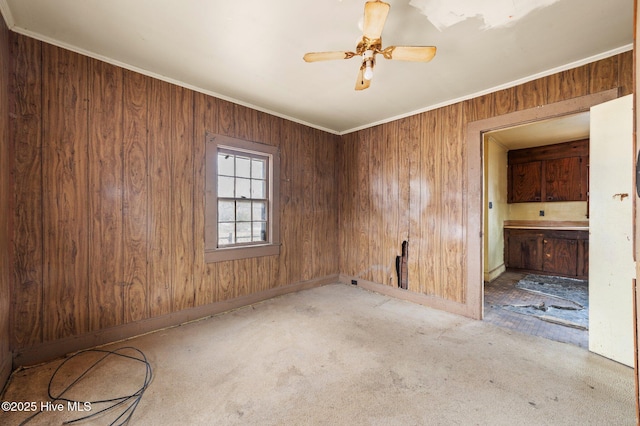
[(241, 202)]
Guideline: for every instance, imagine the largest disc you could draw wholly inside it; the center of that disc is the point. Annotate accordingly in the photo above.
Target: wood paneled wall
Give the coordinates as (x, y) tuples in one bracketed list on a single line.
[(6, 203), (109, 192), (406, 180)]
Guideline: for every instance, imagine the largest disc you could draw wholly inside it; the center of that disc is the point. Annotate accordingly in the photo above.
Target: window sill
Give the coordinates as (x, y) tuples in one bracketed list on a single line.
[(237, 253)]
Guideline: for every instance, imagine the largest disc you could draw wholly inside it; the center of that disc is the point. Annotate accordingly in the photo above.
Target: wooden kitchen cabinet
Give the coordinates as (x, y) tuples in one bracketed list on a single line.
[(525, 182), (548, 251), (523, 249), (556, 172), (560, 256)]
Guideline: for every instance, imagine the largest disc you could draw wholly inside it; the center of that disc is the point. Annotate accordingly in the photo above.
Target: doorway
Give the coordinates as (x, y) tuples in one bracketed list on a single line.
[(508, 301), (476, 212)]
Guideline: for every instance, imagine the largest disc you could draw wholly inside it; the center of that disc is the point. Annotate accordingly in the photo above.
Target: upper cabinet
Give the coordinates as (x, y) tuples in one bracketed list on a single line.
[(556, 172)]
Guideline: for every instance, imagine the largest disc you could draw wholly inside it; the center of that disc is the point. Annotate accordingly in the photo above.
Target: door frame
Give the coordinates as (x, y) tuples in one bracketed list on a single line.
[(475, 180)]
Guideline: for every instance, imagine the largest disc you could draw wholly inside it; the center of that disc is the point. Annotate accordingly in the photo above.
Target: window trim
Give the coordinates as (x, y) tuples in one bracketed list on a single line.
[(213, 253)]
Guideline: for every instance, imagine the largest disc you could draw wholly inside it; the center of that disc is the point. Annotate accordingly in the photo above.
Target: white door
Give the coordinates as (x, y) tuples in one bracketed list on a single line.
[(611, 264)]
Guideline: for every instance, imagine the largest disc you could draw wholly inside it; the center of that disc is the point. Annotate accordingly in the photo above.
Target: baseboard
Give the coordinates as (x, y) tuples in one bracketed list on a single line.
[(51, 350), (421, 299), (494, 273)]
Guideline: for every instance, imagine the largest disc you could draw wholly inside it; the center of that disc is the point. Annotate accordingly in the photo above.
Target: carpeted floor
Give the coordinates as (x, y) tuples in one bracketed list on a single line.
[(340, 355)]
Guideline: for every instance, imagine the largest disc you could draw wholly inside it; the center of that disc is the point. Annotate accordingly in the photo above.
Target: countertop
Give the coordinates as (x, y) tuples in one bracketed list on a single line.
[(558, 225)]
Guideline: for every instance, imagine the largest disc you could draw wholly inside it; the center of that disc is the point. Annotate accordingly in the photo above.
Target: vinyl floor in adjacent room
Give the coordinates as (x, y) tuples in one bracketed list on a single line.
[(340, 355)]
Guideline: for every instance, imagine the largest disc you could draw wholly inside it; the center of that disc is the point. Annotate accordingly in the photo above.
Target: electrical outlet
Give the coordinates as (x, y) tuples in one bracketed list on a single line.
[(541, 212), (354, 282)]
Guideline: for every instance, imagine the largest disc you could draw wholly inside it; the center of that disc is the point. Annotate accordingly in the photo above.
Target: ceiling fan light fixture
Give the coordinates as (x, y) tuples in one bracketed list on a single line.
[(367, 57), (368, 71), (375, 15)]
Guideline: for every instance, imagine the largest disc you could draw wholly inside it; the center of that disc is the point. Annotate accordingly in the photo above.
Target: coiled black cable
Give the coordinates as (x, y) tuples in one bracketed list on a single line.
[(128, 403)]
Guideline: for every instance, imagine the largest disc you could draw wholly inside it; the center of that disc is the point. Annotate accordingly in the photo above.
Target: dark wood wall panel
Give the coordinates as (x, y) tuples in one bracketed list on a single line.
[(428, 152), (182, 166), (135, 196), (105, 196), (27, 303), (159, 219), (65, 202), (110, 197), (6, 203)]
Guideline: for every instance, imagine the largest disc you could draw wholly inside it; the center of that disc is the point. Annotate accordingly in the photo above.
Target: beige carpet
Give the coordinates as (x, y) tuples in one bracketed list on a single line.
[(339, 355)]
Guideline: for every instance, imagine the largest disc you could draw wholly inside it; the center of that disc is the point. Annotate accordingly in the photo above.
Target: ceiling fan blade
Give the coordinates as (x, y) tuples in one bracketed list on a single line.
[(362, 83), (327, 56), (410, 53), (375, 15)]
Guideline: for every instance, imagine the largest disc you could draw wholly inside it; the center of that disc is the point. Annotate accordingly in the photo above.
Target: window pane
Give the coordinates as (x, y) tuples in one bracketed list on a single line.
[(225, 187), (243, 167), (243, 211), (226, 211), (258, 169), (258, 189), (225, 164), (226, 234), (244, 232), (259, 231), (243, 188), (259, 210)]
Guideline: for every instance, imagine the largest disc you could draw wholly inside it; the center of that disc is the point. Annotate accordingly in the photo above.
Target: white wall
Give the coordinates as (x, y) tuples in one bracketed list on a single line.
[(495, 173)]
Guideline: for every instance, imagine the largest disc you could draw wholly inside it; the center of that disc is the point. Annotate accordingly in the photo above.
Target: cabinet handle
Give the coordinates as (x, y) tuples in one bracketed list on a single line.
[(548, 255), (545, 241)]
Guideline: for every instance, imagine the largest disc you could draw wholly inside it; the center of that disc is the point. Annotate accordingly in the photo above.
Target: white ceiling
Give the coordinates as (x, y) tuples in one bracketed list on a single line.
[(544, 132), (250, 51)]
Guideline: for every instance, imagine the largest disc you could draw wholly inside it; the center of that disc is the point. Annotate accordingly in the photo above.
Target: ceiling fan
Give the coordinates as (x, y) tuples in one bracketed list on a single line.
[(375, 15)]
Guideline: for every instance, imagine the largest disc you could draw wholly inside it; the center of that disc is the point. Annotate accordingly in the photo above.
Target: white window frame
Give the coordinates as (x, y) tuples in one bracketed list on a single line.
[(214, 252)]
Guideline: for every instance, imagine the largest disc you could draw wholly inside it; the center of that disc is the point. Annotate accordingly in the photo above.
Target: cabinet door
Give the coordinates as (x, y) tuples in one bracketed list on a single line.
[(560, 256), (524, 251), (526, 182), (583, 259), (563, 180)]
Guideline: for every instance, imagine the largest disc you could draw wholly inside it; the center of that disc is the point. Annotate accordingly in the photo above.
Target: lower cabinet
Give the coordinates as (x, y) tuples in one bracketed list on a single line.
[(556, 252)]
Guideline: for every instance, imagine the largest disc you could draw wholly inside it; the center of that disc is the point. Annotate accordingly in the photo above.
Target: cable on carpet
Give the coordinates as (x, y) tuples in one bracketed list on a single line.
[(129, 403)]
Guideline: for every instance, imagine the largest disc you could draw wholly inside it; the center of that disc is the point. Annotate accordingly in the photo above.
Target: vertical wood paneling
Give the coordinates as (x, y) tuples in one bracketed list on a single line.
[(182, 147), (345, 202), (135, 196), (481, 107), (604, 74), (307, 177), (453, 230), (65, 170), (364, 221), (204, 277), (568, 84), (429, 207), (392, 238), (152, 145), (409, 132), (530, 95), (413, 142), (373, 191), (626, 74), (105, 196), (436, 176), (160, 217), (27, 303), (505, 101), (6, 203)]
